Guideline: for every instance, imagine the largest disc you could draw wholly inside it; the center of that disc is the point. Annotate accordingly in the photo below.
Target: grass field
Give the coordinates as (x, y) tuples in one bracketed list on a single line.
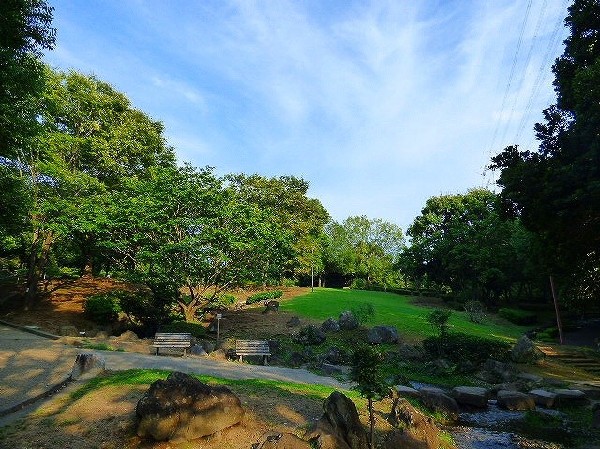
[(392, 309)]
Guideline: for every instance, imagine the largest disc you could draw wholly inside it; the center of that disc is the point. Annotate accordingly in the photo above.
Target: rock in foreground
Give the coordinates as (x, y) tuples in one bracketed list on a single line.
[(183, 408)]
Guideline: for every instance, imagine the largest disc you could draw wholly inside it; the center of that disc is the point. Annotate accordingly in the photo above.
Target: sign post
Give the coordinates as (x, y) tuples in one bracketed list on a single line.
[(219, 316)]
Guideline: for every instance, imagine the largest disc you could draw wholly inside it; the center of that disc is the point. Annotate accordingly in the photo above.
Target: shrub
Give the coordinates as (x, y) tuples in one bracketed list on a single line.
[(363, 313), (519, 317), (309, 335), (103, 308), (358, 284), (475, 310), (196, 329), (263, 296), (459, 347)]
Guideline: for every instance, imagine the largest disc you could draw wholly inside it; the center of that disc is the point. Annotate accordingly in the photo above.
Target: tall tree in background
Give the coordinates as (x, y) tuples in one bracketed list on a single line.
[(556, 189), (285, 198), (365, 249), (25, 31)]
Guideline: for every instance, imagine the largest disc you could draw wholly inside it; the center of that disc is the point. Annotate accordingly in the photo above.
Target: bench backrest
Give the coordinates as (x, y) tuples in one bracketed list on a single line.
[(252, 347), (172, 339)]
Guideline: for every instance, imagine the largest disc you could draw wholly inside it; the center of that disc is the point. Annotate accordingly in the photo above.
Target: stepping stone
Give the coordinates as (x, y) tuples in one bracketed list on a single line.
[(407, 392), (570, 397), (543, 398), (472, 396), (514, 400)]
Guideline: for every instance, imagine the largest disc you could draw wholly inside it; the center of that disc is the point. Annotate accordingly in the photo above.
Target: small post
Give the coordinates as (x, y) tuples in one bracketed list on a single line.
[(219, 316), (558, 322)]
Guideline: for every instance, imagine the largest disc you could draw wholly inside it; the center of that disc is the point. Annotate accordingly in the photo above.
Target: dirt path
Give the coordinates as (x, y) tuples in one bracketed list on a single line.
[(30, 365)]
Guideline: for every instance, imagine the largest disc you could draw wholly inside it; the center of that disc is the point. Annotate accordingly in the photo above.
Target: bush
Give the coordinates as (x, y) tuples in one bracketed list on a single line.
[(459, 348), (309, 335), (263, 296), (475, 310), (103, 308), (519, 317), (358, 284), (196, 329), (146, 310), (363, 313)]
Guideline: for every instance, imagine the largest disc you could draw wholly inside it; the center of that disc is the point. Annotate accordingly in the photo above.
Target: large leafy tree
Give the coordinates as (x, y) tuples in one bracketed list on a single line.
[(363, 248), (285, 199), (460, 242), (556, 188), (25, 31), (181, 228)]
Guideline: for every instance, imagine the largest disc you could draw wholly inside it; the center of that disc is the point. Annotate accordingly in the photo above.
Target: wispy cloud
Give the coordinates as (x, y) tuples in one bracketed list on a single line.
[(378, 104)]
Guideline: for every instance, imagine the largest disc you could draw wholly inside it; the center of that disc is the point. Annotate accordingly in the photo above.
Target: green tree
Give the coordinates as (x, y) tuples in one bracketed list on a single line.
[(461, 243), (556, 188), (285, 198), (370, 381), (363, 248), (25, 31)]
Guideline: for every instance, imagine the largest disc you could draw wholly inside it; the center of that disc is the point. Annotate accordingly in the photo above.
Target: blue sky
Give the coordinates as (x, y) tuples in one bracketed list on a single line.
[(379, 105)]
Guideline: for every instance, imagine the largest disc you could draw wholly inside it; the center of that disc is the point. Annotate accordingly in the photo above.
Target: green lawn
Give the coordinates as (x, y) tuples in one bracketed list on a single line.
[(396, 310)]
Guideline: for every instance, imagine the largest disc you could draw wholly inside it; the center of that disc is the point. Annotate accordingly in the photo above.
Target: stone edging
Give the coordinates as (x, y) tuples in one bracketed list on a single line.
[(15, 408), (30, 330)]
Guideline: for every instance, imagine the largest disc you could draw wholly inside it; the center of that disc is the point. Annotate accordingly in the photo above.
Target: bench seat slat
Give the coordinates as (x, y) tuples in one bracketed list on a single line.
[(172, 340)]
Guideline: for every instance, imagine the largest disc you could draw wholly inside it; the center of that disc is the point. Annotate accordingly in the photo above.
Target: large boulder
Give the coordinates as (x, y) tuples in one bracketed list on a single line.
[(525, 351), (183, 408), (339, 427), (436, 399), (330, 325), (347, 320), (543, 398), (494, 371), (413, 353), (515, 400), (471, 396), (309, 336), (404, 391), (382, 334)]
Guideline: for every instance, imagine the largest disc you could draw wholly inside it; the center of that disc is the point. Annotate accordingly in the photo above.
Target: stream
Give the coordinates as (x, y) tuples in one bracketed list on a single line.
[(496, 428)]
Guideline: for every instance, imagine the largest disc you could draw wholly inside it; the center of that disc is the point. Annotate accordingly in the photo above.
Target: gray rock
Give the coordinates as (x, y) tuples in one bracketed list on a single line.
[(330, 325), (438, 400), (198, 350), (87, 365), (347, 320), (282, 441), (293, 322), (340, 426), (494, 372), (406, 392), (181, 408), (471, 396), (382, 334), (310, 335), (525, 351), (335, 356), (543, 398), (208, 346), (570, 397), (515, 400), (418, 431)]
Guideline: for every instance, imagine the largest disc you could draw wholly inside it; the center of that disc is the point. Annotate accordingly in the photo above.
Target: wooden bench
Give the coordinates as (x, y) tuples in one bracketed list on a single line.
[(252, 347), (172, 340)]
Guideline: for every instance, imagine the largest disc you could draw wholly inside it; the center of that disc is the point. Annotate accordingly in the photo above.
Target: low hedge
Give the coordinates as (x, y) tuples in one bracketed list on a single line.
[(459, 347), (263, 296), (516, 316)]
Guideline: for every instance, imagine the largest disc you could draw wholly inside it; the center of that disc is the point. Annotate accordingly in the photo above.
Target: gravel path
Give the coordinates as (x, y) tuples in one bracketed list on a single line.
[(31, 364)]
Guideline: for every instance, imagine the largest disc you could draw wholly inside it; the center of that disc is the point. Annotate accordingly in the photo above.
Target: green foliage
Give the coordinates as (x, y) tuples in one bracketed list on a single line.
[(554, 189), (147, 309), (309, 335), (475, 310), (196, 329), (459, 347), (367, 373), (363, 312), (263, 296), (103, 308), (520, 317), (438, 319)]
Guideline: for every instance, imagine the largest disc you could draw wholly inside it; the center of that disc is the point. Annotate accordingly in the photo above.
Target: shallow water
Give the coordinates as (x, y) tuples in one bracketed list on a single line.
[(475, 438)]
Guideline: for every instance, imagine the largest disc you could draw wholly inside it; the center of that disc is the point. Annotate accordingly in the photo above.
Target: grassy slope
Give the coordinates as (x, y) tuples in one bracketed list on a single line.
[(395, 310)]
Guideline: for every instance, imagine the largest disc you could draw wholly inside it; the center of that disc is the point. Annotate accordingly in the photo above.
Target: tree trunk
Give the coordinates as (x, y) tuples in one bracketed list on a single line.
[(371, 422), (37, 264)]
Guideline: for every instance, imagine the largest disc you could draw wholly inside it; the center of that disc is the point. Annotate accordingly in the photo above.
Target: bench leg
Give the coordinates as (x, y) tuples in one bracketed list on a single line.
[(156, 351), (264, 360)]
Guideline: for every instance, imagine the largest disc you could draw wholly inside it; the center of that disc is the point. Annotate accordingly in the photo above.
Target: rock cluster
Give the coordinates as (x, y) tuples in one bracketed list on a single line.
[(183, 408)]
